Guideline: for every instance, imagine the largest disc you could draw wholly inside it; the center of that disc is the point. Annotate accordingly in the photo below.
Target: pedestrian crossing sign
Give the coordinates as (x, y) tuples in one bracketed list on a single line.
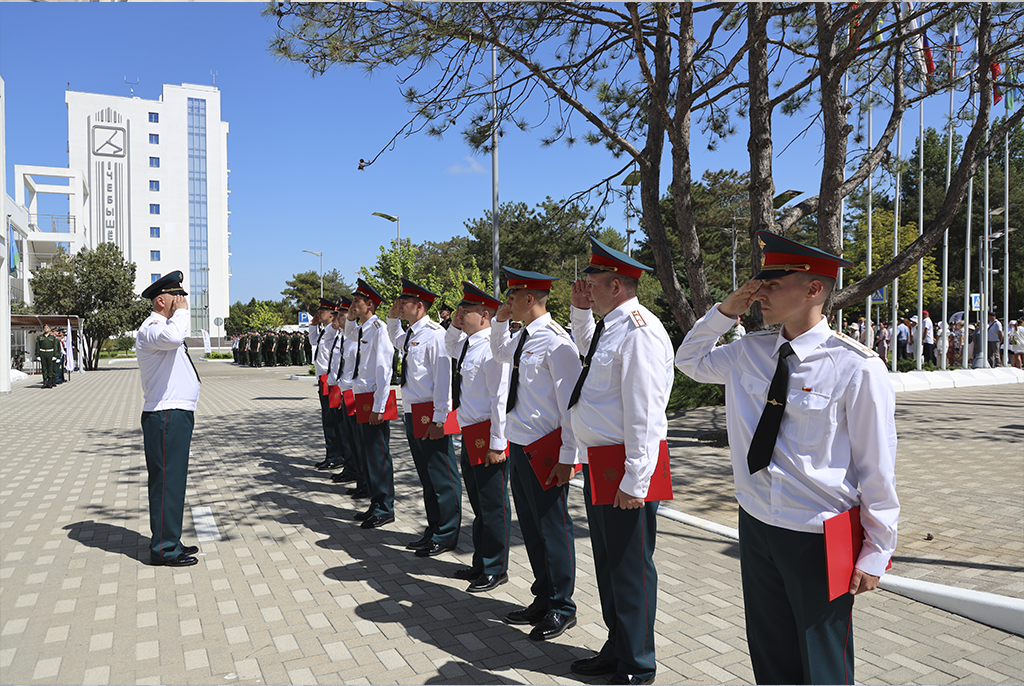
[(879, 296), (975, 302)]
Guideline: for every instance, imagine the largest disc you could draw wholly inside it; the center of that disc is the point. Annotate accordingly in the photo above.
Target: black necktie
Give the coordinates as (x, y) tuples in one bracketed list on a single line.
[(759, 455), (513, 384), (359, 352), (330, 360), (405, 357), (457, 377), (185, 345), (578, 388)]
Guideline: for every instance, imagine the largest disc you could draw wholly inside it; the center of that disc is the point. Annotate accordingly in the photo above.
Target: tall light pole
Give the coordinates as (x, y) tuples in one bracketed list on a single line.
[(321, 256), (396, 220), (631, 181)]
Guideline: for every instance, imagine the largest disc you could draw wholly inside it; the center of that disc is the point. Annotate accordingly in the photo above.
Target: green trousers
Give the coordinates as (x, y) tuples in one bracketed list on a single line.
[(167, 436)]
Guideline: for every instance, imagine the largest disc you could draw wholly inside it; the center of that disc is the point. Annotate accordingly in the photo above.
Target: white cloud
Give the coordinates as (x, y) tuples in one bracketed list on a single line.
[(471, 167)]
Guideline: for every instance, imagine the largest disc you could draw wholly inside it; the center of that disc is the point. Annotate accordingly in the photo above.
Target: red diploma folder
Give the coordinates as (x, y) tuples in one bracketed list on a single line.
[(322, 380), (608, 466), (844, 536), (423, 417), (334, 396), (364, 406), (477, 439), (350, 401), (544, 456)]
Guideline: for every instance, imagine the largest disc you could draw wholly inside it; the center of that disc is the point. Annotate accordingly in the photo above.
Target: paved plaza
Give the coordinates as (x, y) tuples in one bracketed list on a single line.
[(289, 590)]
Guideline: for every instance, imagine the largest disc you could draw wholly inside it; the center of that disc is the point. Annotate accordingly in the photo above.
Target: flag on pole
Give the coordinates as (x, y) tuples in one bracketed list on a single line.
[(918, 50), (1010, 90), (953, 50), (997, 93)]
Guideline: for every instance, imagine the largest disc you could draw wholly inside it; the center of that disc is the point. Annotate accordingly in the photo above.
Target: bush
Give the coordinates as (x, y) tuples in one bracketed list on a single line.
[(218, 356), (688, 394), (911, 366)]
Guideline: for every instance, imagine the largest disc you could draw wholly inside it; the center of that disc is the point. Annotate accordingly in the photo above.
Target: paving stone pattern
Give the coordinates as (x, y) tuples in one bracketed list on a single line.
[(295, 592)]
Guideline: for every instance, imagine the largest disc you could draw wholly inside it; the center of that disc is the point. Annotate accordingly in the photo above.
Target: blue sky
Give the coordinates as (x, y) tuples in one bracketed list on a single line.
[(295, 141)]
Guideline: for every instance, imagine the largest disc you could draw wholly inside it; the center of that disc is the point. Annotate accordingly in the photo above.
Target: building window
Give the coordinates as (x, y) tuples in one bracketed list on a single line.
[(154, 161), (154, 138), (154, 255), (154, 208), (154, 117), (154, 185), (153, 278), (154, 232)]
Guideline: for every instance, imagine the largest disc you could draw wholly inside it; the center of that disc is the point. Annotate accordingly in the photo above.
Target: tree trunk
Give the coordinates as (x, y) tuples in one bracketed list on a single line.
[(759, 146), (650, 183)]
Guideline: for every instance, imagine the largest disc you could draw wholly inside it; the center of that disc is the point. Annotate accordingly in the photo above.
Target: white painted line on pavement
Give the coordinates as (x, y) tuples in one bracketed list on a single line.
[(206, 526)]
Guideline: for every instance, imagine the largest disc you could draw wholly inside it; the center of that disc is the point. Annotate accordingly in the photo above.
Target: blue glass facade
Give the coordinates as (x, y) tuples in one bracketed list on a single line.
[(199, 262)]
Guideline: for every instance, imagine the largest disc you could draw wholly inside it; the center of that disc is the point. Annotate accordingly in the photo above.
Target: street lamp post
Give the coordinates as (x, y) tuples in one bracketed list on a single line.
[(321, 256)]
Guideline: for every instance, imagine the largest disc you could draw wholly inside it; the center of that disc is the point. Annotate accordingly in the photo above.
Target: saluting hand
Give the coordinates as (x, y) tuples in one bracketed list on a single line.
[(393, 312), (740, 300), (179, 303), (579, 294), (504, 312)]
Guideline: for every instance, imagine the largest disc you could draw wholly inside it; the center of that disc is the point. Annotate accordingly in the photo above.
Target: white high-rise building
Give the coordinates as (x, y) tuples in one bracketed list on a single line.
[(157, 178)]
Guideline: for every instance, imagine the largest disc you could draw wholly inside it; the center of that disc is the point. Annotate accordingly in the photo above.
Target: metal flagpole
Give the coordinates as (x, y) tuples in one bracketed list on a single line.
[(967, 272), (896, 239), (945, 235), (919, 339), (986, 268), (495, 259), (1006, 248), (869, 334)]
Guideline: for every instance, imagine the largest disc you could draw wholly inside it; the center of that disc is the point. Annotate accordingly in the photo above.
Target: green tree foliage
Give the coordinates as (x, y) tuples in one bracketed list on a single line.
[(881, 252), (97, 285), (302, 291), (265, 316)]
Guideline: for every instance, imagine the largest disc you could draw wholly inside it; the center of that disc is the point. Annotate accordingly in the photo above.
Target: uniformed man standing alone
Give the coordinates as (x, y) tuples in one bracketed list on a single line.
[(812, 435), (545, 364), (620, 400), (46, 348), (170, 389)]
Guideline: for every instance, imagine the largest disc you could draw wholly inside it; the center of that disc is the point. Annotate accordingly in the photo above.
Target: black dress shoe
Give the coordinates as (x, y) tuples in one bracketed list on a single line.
[(362, 516), (377, 521), (594, 666), (327, 466), (419, 542), (528, 615), (468, 573), (190, 549), (357, 493), (180, 561), (623, 678), (343, 477), (320, 464), (551, 626), (486, 582), (431, 549)]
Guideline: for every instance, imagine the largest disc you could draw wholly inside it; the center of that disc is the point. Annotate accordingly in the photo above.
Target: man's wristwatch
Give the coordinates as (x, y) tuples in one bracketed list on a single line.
[(439, 425)]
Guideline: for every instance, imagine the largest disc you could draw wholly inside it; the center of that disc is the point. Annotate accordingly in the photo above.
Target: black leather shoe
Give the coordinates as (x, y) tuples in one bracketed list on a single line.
[(431, 549), (180, 561), (528, 615), (357, 493), (327, 466), (362, 516), (419, 542), (343, 477), (320, 464), (551, 626), (597, 665), (623, 678), (377, 521), (468, 573), (190, 549), (487, 582)]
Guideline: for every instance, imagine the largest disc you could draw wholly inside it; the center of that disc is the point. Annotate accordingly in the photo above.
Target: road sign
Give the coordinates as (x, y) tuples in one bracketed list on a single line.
[(219, 321), (975, 302), (304, 318), (879, 296)]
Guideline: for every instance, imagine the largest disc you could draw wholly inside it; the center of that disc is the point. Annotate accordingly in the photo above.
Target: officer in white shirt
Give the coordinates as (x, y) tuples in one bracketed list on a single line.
[(337, 416), (545, 364), (321, 338), (822, 443), (427, 378), (620, 400), (347, 427), (170, 388), (372, 374), (479, 392)]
